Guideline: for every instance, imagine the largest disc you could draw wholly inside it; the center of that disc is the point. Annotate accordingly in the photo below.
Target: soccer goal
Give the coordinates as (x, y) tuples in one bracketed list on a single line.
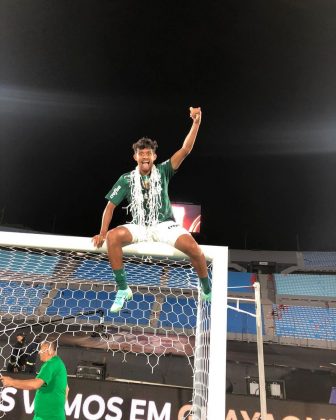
[(60, 285)]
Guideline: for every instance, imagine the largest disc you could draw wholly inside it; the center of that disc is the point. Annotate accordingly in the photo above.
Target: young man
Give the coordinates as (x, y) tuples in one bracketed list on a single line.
[(51, 385), (146, 190)]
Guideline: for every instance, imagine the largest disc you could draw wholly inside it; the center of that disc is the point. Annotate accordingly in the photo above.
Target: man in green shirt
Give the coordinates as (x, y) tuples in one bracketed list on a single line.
[(51, 385), (146, 190)]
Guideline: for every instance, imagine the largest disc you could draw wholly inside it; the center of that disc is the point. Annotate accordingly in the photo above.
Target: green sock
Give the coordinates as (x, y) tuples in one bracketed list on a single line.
[(120, 277), (205, 285)]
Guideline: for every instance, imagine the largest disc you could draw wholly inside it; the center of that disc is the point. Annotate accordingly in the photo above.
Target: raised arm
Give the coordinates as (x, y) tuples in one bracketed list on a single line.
[(188, 144), (98, 240)]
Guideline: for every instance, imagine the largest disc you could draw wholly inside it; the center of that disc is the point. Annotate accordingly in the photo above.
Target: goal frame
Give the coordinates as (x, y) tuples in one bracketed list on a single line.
[(260, 342), (218, 255)]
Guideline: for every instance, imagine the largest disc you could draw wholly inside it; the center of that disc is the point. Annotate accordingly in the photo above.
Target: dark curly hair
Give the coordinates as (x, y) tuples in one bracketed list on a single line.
[(145, 143)]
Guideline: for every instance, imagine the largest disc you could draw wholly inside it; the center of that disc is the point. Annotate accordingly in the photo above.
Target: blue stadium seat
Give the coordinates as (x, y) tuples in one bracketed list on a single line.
[(305, 285), (178, 312), (306, 322), (18, 298), (70, 302), (27, 262), (319, 259)]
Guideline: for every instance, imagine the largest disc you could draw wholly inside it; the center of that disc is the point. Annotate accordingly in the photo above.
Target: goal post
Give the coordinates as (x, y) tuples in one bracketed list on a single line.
[(260, 343), (73, 284), (218, 335)]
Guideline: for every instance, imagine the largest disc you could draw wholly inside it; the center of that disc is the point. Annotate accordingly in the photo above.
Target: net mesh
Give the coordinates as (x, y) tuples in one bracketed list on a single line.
[(52, 292)]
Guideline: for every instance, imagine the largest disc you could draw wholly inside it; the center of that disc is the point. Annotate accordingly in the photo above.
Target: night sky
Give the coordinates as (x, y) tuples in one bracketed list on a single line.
[(81, 80)]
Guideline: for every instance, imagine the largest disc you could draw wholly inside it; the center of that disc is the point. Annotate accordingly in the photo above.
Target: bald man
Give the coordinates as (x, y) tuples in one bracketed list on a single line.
[(51, 385)]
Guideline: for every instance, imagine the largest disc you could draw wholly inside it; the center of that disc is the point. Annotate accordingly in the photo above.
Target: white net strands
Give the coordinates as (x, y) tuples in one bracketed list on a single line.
[(201, 365), (73, 291), (50, 285)]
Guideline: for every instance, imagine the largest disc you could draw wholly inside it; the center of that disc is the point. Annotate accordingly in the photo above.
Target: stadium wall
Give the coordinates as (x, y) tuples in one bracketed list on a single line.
[(89, 400)]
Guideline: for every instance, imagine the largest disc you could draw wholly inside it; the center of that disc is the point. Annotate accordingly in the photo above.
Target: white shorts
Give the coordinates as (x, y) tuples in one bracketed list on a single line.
[(167, 232)]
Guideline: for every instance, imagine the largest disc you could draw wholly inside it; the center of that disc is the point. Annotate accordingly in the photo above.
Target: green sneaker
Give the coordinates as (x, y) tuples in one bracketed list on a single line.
[(121, 297), (206, 296)]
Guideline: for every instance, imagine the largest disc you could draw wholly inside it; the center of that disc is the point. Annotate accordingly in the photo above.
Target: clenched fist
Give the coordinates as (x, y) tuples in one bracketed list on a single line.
[(195, 114)]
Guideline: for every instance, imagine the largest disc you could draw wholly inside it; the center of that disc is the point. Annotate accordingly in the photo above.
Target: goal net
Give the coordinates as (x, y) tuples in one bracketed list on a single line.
[(60, 286)]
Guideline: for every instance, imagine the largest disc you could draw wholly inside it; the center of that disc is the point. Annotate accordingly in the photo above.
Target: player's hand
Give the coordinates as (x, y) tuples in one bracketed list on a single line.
[(6, 380), (195, 114), (98, 240)]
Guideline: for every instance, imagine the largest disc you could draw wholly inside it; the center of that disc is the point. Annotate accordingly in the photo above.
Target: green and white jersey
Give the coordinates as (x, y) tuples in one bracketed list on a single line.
[(121, 190)]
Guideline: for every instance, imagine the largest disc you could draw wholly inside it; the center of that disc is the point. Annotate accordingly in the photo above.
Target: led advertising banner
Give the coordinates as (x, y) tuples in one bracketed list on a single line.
[(188, 216), (112, 400), (92, 399)]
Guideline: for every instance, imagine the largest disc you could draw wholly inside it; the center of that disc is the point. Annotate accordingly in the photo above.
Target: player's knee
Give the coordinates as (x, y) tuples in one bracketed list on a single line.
[(114, 237)]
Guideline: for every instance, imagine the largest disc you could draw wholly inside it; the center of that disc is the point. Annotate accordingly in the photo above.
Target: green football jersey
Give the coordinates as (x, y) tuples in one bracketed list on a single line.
[(49, 403), (121, 190)]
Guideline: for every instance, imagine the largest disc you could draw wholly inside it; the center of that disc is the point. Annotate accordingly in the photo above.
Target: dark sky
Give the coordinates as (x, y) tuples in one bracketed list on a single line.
[(81, 80)]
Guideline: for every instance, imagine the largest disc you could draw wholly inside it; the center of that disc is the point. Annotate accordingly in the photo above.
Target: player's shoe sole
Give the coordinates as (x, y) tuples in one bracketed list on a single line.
[(121, 297)]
